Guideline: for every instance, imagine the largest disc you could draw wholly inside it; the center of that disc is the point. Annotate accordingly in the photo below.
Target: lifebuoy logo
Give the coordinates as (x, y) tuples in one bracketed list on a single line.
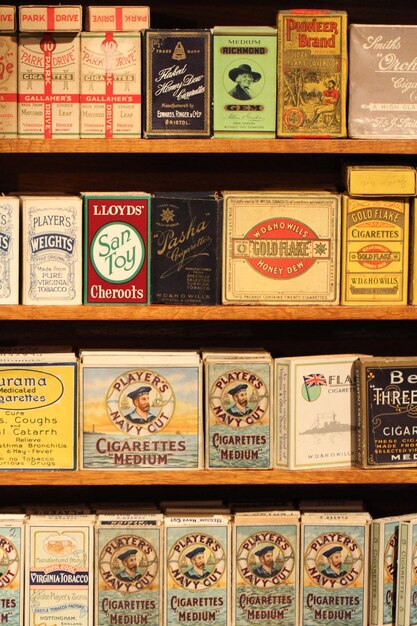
[(281, 248)]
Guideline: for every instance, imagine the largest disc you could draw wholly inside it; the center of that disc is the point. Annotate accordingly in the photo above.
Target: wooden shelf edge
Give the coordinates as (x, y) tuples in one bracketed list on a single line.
[(159, 146), (222, 312), (329, 476)]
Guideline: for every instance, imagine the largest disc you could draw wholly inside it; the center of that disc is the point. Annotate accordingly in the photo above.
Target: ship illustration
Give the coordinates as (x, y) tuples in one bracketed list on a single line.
[(326, 423)]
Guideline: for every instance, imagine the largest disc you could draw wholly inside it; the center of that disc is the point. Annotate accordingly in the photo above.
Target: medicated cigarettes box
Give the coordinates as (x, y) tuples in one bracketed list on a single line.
[(117, 18), (265, 568), (7, 18), (380, 180), (111, 93), (312, 73), (12, 558), (9, 250), (38, 411), (281, 248), (314, 401), (375, 251), (141, 410), (334, 568), (49, 18), (381, 84), (244, 81), (197, 569), (60, 570), (178, 83), (116, 248), (52, 255), (238, 411), (128, 569), (49, 85), (8, 86)]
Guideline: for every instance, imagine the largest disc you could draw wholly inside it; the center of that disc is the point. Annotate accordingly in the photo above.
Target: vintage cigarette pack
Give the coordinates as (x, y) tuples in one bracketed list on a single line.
[(12, 558), (265, 569), (375, 251), (281, 248), (381, 87), (128, 569), (383, 570), (380, 180), (244, 81), (312, 73), (238, 411), (52, 255), (386, 401), (9, 250), (59, 573), (48, 18), (8, 86), (186, 248), (334, 570), (111, 92), (141, 410), (178, 83), (197, 570), (315, 397), (7, 18), (412, 283), (117, 18), (38, 411), (49, 85), (116, 248), (406, 606)]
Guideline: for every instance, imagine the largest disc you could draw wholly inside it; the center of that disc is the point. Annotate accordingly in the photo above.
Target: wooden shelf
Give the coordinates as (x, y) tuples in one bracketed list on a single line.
[(237, 146), (176, 313), (210, 477)]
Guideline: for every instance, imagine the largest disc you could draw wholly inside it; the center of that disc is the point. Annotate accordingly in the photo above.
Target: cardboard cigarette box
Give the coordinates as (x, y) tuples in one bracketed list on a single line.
[(381, 94), (386, 400), (128, 571), (7, 18), (9, 250), (244, 81), (116, 247), (314, 403), (186, 248), (49, 85), (52, 256), (111, 92), (178, 83), (405, 613), (239, 421), (117, 18), (281, 248), (60, 572), (412, 284), (265, 569), (49, 18), (141, 410), (197, 570), (8, 86), (312, 73), (375, 251), (38, 410), (334, 568), (12, 555), (380, 180)]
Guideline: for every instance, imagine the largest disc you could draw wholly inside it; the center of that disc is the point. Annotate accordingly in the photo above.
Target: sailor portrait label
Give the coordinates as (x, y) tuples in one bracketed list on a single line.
[(265, 559), (9, 562), (333, 560), (196, 561), (140, 402), (281, 248), (239, 398), (128, 564), (390, 556)]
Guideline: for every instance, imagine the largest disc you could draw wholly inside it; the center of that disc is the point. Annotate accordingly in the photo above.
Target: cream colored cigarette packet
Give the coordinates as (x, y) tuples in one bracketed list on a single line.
[(8, 86), (49, 18), (117, 18), (7, 18), (9, 249)]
